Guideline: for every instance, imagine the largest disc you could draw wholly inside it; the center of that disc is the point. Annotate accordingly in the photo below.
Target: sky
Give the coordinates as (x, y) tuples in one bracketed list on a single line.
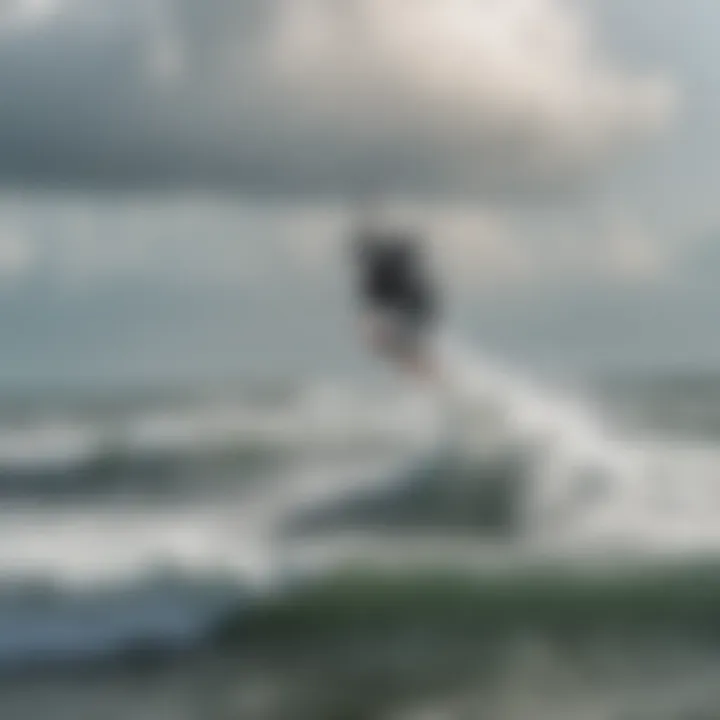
[(178, 177)]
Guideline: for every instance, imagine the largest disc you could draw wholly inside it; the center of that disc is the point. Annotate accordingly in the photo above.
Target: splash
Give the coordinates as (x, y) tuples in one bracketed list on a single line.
[(582, 478)]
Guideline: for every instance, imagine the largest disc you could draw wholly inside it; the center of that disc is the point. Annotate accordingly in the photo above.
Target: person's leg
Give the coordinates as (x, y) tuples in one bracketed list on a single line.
[(413, 349), (404, 341), (420, 361)]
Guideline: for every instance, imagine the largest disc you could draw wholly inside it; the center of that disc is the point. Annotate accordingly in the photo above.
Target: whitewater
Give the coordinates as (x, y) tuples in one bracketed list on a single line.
[(133, 523)]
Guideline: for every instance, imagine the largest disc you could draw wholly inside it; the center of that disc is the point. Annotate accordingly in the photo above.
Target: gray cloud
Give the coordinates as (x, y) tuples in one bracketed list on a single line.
[(315, 97)]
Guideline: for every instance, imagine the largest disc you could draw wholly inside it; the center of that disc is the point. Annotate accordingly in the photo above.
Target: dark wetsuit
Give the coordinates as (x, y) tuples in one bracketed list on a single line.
[(393, 278)]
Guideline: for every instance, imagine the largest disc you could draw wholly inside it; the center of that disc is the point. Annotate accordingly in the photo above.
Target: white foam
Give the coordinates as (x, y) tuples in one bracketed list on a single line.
[(588, 488), (648, 494), (111, 577), (316, 423), (49, 445)]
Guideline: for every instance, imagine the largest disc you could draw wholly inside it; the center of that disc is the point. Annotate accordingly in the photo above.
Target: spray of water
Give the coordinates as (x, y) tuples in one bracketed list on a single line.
[(581, 476)]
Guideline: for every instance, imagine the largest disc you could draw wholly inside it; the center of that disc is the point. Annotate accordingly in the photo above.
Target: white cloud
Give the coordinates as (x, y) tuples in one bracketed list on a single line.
[(478, 246), (17, 252), (631, 253), (26, 14), (468, 244), (482, 93), (324, 97), (182, 241), (165, 56), (188, 241), (481, 248), (313, 235)]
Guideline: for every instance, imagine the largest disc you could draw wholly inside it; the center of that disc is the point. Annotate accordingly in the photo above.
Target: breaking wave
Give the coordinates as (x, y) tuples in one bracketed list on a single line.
[(146, 525)]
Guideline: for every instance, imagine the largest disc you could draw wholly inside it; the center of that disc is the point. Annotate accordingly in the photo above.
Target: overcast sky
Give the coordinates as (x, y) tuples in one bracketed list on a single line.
[(315, 97), (549, 148)]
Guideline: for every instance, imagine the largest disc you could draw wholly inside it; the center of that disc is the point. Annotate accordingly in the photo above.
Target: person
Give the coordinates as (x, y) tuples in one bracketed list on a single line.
[(399, 304)]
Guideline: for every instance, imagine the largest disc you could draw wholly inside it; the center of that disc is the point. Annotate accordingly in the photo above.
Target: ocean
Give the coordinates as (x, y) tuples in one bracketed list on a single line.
[(362, 549)]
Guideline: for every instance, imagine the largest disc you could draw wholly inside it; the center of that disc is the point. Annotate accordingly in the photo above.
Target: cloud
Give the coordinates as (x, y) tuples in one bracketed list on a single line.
[(478, 94), (481, 248), (181, 241), (204, 244), (319, 97), (478, 247), (470, 245), (631, 253), (19, 15), (17, 252)]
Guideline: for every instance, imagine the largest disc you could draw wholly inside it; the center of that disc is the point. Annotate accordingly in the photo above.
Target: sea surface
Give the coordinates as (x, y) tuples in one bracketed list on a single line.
[(500, 548)]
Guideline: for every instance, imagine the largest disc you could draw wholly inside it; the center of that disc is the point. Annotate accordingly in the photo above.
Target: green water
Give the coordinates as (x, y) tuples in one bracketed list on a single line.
[(619, 643)]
